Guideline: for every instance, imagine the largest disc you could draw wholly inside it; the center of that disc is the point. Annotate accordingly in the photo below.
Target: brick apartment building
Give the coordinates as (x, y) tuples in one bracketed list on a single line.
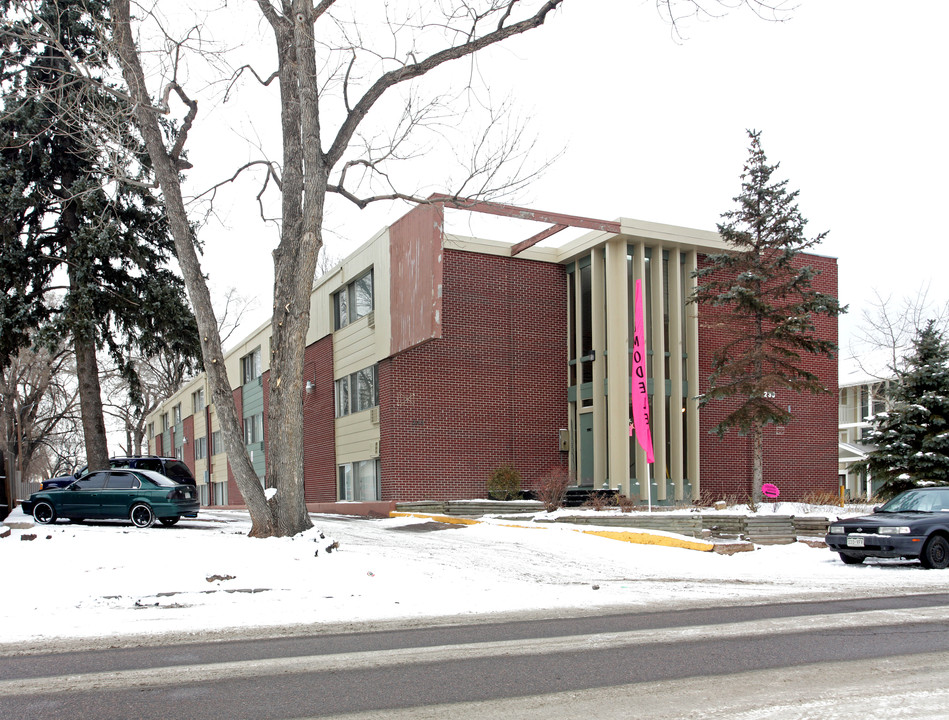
[(433, 359)]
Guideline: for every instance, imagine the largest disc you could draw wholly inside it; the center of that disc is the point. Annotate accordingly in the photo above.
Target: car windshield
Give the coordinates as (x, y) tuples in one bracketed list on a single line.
[(919, 501)]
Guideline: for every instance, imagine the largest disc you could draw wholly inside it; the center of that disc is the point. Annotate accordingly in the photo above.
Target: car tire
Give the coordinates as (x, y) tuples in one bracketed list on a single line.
[(44, 513), (169, 521), (141, 515), (851, 559), (935, 554)]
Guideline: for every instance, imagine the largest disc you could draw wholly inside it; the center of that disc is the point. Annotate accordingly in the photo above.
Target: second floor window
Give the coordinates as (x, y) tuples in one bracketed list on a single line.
[(358, 391), (254, 429), (353, 301), (176, 414), (250, 366), (197, 400), (200, 448)]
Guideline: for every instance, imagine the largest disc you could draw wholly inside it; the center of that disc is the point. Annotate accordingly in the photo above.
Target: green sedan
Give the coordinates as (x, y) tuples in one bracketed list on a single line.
[(142, 496)]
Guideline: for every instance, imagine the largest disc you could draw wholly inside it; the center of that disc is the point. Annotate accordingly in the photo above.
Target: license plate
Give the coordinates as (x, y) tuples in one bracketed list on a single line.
[(854, 542)]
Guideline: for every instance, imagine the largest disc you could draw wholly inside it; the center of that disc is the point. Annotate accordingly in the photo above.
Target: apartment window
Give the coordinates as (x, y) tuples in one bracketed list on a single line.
[(250, 366), (216, 443), (220, 493), (151, 430), (254, 429), (197, 401), (357, 392), (164, 422), (360, 481), (354, 301), (180, 452), (176, 414), (201, 448)]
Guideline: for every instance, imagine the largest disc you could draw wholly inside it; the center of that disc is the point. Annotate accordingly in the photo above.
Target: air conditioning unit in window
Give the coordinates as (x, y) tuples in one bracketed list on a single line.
[(374, 452), (374, 415)]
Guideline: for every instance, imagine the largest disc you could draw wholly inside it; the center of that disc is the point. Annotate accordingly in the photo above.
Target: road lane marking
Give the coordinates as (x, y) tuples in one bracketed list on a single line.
[(374, 659), (908, 686)]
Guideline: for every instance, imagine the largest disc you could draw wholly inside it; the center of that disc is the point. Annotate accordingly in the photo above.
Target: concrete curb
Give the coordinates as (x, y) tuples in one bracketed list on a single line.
[(637, 538)]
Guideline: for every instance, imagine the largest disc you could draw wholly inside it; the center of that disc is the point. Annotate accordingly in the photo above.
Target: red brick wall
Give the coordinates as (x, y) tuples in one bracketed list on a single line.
[(319, 428), (799, 458), (492, 390)]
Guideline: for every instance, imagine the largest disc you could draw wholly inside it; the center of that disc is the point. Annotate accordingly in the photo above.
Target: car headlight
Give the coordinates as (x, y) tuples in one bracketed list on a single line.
[(836, 529), (901, 530)]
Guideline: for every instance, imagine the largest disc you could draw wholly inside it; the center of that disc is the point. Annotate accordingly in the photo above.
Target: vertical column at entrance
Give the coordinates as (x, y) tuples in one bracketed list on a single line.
[(599, 305), (617, 363), (676, 350), (657, 344), (692, 375)]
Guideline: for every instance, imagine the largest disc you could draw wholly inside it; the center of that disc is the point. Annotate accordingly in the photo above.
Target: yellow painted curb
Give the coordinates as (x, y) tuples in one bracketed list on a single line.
[(622, 536), (437, 518), (646, 539)]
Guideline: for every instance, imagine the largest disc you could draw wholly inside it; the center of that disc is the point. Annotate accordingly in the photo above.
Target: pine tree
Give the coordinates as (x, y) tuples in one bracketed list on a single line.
[(769, 306), (912, 440), (84, 256)]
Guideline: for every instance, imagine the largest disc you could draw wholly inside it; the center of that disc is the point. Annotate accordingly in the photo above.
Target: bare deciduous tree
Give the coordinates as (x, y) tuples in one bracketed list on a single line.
[(311, 155), (884, 336), (38, 407), (339, 66)]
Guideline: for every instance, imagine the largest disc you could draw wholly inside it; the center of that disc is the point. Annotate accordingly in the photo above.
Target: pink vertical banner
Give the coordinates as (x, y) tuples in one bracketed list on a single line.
[(638, 391)]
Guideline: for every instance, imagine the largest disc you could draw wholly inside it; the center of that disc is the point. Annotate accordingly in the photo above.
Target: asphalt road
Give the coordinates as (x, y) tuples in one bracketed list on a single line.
[(760, 662)]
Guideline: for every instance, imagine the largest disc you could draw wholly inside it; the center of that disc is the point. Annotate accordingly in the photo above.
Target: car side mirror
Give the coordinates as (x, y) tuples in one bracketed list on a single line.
[(876, 509), (74, 487)]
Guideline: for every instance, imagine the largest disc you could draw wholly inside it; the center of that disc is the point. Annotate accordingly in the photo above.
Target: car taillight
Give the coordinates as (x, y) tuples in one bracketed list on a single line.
[(176, 495)]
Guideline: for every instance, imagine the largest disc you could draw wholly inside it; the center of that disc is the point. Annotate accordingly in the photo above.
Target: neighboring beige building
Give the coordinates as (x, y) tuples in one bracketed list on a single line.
[(859, 401)]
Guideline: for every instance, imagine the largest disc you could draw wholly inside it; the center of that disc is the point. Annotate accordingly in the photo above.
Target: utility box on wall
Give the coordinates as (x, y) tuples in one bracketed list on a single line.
[(564, 440)]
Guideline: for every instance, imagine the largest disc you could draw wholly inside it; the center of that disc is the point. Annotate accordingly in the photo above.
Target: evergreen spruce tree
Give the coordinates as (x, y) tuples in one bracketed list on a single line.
[(912, 440), (767, 307), (84, 256)]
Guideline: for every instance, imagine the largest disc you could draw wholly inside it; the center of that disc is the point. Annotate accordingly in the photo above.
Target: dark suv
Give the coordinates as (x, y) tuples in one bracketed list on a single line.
[(169, 467)]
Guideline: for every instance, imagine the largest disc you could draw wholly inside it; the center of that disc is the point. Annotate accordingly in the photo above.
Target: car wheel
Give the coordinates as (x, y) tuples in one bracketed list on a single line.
[(851, 559), (169, 521), (935, 555), (44, 513), (141, 515)]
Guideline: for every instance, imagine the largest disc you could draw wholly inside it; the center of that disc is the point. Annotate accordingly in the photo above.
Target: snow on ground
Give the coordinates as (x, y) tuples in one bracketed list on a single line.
[(109, 579)]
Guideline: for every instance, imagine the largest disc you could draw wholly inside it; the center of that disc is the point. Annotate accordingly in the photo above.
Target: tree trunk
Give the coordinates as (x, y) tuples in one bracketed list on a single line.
[(90, 399), (757, 462), (303, 194), (84, 343), (166, 172)]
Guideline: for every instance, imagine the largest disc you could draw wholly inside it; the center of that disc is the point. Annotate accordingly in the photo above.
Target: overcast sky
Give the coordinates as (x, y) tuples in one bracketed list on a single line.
[(849, 96)]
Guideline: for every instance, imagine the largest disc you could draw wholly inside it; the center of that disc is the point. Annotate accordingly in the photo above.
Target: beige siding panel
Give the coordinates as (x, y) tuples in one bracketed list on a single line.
[(219, 467), (354, 348), (355, 437), (200, 466)]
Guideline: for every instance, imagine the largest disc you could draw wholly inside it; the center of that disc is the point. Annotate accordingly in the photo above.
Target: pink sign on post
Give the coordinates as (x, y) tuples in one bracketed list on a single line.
[(638, 390)]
